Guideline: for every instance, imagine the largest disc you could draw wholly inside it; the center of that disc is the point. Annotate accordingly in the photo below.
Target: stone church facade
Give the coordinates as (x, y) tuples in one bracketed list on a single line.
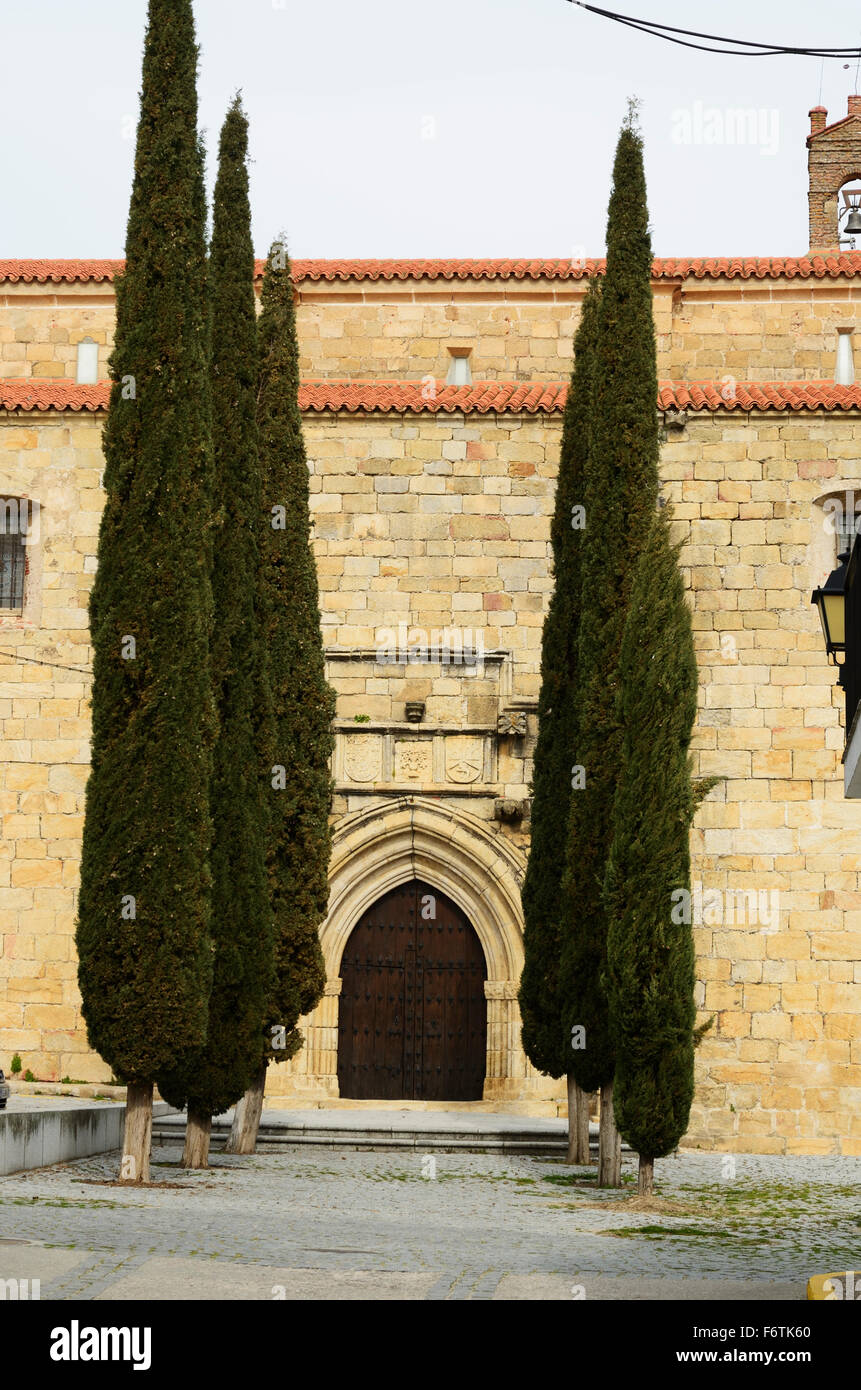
[(432, 398)]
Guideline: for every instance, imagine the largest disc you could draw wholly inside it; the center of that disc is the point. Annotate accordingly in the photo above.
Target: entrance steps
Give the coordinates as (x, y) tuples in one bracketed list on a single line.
[(447, 1131)]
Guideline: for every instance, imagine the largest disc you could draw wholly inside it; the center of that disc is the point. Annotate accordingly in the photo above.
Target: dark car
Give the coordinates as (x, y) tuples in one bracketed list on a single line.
[(4, 1092)]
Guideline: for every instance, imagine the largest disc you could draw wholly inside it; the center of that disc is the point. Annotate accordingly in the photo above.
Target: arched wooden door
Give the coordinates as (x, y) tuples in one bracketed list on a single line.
[(412, 1013)]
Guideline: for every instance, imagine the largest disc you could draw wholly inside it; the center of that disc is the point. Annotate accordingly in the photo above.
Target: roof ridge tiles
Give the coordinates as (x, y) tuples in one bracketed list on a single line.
[(423, 397), (729, 267)]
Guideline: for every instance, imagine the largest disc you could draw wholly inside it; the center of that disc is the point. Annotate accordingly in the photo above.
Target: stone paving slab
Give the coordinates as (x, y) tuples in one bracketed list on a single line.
[(167, 1280), (21, 1259), (541, 1287)]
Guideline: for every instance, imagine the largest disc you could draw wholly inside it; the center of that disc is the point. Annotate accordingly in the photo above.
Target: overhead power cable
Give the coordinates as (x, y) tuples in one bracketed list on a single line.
[(739, 48), (13, 657)]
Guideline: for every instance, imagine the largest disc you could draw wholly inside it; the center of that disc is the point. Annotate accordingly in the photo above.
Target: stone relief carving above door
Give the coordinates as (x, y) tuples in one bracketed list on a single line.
[(464, 758), (363, 757), (413, 761)]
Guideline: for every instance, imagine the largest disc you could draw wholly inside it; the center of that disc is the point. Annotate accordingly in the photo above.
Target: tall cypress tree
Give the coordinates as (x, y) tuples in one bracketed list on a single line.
[(620, 496), (209, 1079), (650, 949), (144, 910), (554, 777), (300, 741)]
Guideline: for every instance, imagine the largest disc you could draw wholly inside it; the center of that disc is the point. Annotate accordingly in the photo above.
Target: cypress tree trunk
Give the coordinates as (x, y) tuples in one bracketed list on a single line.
[(137, 1138), (246, 1117), (619, 494), (646, 1177), (143, 940), (554, 779), (296, 730), (609, 1142), (211, 1078), (578, 1123), (197, 1134)]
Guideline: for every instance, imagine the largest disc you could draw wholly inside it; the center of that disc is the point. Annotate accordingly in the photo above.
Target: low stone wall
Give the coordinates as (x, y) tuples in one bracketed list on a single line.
[(37, 1138)]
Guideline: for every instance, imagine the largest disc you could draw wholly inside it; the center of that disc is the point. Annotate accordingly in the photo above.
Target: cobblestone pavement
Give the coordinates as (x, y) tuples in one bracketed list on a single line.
[(364, 1225)]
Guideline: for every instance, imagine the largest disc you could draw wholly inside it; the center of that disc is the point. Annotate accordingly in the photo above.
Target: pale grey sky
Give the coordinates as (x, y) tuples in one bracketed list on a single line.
[(454, 128)]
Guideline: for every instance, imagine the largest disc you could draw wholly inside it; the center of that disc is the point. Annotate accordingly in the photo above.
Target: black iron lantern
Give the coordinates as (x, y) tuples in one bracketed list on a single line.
[(831, 602)]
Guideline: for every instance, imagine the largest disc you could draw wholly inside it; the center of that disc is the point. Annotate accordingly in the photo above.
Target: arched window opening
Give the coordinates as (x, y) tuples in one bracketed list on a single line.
[(849, 213)]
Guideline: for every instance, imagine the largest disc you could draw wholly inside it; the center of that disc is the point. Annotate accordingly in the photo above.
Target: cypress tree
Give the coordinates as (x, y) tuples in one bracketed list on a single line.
[(144, 909), (300, 741), (650, 949), (209, 1079), (553, 768), (620, 496)]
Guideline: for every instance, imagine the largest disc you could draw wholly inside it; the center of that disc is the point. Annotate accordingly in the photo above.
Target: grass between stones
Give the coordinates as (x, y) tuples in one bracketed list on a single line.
[(801, 1222), (56, 1202)]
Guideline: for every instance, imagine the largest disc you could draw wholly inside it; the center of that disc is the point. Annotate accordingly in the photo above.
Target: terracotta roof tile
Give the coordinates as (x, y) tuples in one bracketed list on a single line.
[(418, 397), (52, 393), (518, 269), (757, 395), (729, 268), (43, 272)]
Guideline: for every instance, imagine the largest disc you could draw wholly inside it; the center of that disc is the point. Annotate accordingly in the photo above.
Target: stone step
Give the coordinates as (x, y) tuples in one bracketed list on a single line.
[(443, 1131)]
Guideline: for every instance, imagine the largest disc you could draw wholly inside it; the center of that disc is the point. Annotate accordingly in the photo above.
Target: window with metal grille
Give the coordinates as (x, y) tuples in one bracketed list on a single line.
[(13, 555)]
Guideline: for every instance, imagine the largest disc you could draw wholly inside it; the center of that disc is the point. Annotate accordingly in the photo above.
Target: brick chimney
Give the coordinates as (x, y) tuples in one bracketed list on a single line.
[(818, 119), (833, 159)]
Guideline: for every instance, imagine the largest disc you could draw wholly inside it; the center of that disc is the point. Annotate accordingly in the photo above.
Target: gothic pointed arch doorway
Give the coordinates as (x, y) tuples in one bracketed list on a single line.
[(413, 1014)]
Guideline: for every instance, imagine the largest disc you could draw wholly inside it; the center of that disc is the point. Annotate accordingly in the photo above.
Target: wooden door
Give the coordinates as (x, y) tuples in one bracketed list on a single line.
[(412, 1012)]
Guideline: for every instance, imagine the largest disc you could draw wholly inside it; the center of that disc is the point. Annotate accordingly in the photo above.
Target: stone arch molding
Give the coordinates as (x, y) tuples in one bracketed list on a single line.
[(384, 846)]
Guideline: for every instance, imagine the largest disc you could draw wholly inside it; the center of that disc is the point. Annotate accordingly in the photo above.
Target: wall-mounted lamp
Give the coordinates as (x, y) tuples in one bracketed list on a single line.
[(830, 599)]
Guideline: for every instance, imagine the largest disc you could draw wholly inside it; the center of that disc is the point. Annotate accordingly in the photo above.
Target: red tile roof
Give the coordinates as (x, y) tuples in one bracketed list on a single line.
[(757, 395), (729, 268), (52, 393), (662, 269), (58, 271), (416, 397), (510, 397)]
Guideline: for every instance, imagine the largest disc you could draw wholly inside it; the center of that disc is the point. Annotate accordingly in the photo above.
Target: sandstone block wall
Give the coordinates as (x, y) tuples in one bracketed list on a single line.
[(438, 521), (780, 1070), (41, 325), (755, 330), (44, 742)]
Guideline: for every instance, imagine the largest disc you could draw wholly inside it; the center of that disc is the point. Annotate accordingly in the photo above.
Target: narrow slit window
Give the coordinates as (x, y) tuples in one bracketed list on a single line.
[(459, 371), (87, 363)]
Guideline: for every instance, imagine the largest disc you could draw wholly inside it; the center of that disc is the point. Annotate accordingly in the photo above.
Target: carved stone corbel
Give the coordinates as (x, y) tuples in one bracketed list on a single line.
[(511, 723)]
